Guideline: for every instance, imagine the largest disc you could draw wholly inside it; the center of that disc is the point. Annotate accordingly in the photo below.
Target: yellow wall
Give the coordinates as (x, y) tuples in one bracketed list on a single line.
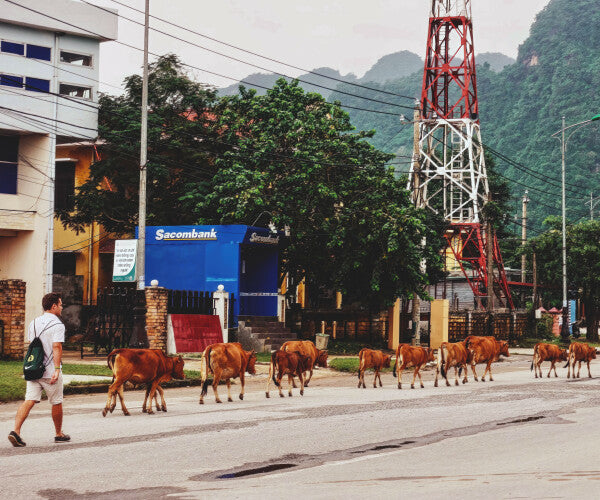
[(69, 240)]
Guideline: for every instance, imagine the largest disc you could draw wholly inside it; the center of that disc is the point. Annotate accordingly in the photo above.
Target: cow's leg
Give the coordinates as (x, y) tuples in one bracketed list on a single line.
[(569, 368), (109, 398), (466, 378), (400, 370), (302, 384), (216, 379), (437, 374), (146, 398), (279, 380), (360, 377), (578, 370), (550, 370), (163, 404), (152, 395), (243, 384), (489, 369), (310, 374), (375, 379), (229, 390), (420, 379), (379, 375), (589, 372), (120, 392), (456, 382), (291, 384), (474, 372), (412, 384)]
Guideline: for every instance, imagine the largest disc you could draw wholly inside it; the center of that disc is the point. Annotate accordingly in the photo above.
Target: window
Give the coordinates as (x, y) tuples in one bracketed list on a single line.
[(37, 84), (9, 153), (75, 59), (11, 81), (38, 52), (12, 48), (75, 91), (64, 263), (64, 185)]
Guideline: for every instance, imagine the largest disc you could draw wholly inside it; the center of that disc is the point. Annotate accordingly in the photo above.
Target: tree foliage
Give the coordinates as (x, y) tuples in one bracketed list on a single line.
[(181, 152), (583, 266), (297, 159)]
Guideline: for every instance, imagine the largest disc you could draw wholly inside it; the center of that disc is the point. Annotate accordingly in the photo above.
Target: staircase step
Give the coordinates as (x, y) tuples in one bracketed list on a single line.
[(269, 329), (273, 335)]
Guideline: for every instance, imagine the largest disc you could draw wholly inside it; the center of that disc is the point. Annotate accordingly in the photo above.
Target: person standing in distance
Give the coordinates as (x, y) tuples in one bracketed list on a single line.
[(51, 331)]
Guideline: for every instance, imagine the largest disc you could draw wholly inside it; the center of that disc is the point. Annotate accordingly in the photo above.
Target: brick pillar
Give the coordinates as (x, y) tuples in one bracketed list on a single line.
[(156, 317), (12, 315)]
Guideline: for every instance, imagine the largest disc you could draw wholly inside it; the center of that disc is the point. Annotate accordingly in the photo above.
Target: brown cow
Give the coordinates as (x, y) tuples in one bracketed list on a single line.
[(290, 364), (225, 361), (307, 348), (452, 355), (547, 352), (406, 356), (579, 352), (140, 366), (368, 358), (485, 350)]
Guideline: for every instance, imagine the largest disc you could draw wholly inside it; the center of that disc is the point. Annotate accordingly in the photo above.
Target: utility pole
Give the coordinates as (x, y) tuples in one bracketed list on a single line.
[(565, 308), (418, 202), (524, 234), (490, 262), (141, 245), (535, 294), (592, 204)]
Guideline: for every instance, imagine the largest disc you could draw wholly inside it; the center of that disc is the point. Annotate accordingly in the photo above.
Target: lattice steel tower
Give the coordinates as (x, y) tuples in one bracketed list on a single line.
[(448, 172)]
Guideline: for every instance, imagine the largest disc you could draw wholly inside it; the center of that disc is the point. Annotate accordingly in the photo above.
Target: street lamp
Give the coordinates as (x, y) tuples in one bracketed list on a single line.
[(563, 149)]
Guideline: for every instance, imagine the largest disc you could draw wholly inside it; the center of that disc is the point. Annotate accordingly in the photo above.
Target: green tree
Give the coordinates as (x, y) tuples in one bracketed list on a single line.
[(182, 144), (296, 157), (583, 266)]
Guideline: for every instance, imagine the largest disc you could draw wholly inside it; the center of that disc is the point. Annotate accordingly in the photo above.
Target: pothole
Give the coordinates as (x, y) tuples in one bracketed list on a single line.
[(521, 420), (256, 470)]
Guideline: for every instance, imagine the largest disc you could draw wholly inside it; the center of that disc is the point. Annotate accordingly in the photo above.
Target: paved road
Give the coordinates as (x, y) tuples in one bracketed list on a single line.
[(516, 437)]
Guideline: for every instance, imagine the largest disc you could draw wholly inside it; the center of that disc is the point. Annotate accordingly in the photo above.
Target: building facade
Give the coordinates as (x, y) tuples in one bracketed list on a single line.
[(48, 95)]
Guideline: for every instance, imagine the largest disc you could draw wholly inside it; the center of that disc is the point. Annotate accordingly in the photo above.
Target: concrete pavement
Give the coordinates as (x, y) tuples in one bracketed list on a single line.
[(515, 437)]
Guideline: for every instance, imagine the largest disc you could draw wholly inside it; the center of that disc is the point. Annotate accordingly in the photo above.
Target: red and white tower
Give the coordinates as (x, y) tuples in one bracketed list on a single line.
[(448, 172)]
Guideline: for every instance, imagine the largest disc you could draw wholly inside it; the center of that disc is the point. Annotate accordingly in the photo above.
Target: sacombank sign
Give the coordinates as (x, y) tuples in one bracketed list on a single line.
[(162, 235)]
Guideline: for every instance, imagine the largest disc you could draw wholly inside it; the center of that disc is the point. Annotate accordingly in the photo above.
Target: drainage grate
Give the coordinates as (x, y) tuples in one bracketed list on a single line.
[(258, 470)]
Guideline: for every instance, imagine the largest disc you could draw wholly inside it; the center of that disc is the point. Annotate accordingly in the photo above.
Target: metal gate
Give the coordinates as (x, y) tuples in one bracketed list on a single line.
[(119, 320)]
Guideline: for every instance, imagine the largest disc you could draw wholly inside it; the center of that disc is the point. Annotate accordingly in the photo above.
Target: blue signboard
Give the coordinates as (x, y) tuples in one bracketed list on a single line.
[(244, 259)]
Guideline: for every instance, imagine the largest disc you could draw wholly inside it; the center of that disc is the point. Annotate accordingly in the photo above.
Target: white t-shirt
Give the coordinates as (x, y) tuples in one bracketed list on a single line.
[(53, 331)]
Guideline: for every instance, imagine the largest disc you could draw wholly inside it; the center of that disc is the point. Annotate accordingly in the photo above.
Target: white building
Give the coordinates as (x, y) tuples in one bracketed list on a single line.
[(48, 95)]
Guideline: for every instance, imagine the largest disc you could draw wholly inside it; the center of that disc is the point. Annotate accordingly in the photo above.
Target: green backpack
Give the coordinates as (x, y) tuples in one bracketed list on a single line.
[(33, 364)]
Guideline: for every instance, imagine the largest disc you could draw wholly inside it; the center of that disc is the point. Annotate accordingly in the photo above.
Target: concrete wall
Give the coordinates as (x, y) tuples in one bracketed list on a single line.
[(23, 248)]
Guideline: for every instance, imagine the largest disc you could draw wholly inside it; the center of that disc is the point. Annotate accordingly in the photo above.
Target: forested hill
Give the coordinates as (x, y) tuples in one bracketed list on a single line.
[(557, 73)]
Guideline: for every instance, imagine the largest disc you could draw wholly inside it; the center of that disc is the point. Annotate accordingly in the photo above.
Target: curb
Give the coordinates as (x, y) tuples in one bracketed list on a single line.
[(97, 388)]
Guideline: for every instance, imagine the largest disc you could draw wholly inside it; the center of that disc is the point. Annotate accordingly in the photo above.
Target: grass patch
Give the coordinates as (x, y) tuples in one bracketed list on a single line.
[(261, 357), (354, 346), (12, 384), (350, 365)]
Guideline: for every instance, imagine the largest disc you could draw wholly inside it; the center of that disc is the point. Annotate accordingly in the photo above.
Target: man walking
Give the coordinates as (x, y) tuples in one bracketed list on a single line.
[(51, 331)]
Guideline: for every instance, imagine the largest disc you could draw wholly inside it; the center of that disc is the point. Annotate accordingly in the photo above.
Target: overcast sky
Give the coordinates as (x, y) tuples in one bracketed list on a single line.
[(348, 35)]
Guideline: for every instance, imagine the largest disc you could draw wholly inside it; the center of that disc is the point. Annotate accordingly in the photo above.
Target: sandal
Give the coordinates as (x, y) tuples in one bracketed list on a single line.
[(63, 438)]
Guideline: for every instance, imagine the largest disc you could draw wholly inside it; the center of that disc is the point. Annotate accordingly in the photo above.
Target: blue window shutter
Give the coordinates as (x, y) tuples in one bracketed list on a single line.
[(11, 81), (38, 52), (37, 84), (8, 178), (12, 48)]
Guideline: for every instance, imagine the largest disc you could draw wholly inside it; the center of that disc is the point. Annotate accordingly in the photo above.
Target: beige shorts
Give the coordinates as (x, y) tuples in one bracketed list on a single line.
[(53, 391)]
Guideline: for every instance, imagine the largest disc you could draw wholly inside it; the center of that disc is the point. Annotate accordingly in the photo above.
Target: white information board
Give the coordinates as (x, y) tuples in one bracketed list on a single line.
[(124, 263)]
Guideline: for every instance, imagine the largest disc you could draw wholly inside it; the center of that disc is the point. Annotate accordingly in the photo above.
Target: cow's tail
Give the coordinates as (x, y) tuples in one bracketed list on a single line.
[(535, 350), (273, 356), (398, 360), (571, 353), (442, 361), (360, 361), (110, 361), (205, 370)]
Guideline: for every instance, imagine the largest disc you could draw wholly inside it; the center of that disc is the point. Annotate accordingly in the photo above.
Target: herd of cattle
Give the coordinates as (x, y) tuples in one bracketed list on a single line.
[(227, 361)]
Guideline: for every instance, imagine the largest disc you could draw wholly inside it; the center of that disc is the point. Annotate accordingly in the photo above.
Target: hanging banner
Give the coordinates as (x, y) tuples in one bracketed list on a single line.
[(124, 263)]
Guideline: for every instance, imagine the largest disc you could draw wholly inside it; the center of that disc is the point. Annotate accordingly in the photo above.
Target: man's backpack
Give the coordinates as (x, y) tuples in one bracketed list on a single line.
[(33, 364)]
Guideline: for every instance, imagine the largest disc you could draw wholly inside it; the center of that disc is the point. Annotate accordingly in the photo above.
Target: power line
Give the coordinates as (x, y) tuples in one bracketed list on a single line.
[(259, 55)]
